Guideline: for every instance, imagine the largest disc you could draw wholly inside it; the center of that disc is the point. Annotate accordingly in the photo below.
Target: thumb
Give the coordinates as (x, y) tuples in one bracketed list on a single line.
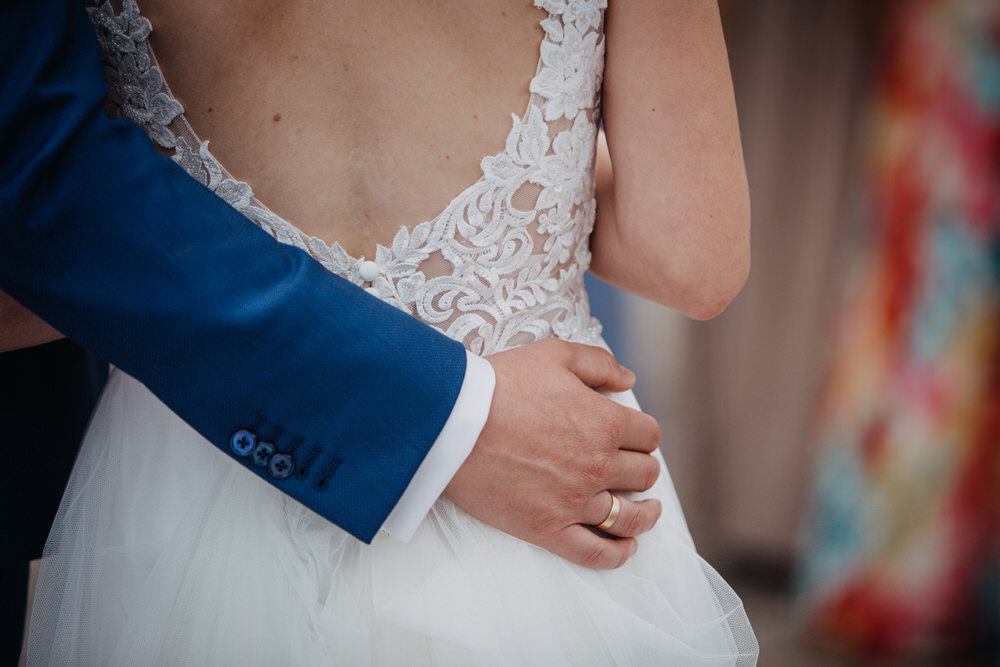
[(598, 369)]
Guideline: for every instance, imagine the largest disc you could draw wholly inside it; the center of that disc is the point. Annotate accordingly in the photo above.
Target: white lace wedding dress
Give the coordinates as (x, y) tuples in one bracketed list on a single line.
[(164, 552)]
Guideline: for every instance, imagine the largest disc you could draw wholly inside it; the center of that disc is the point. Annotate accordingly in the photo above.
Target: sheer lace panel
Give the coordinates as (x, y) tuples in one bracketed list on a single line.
[(503, 264)]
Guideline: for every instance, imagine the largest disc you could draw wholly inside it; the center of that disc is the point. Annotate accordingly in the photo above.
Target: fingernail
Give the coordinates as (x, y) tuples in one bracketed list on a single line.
[(632, 548), (629, 375)]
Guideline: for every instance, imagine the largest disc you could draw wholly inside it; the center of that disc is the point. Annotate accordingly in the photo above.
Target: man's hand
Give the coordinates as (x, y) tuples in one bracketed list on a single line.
[(553, 447)]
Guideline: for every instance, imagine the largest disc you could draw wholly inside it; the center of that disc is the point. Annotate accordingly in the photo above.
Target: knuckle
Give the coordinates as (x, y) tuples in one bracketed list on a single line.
[(595, 556), (548, 349), (567, 355), (615, 423), (540, 525), (583, 498), (602, 466), (560, 347), (598, 353), (633, 523), (607, 362), (567, 507), (549, 522)]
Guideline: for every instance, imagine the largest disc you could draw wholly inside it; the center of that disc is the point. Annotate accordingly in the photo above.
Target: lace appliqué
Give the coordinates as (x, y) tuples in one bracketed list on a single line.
[(503, 264)]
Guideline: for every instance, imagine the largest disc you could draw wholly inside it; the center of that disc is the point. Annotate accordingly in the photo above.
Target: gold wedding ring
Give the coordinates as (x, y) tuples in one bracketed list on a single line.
[(616, 508)]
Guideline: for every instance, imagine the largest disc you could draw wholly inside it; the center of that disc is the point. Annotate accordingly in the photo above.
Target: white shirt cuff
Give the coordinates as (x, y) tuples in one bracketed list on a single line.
[(449, 451)]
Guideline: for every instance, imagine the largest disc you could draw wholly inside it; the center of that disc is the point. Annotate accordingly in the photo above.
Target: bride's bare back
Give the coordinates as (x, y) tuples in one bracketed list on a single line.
[(350, 118)]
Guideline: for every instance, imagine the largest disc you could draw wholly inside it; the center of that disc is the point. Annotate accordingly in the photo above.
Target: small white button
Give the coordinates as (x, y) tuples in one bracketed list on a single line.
[(368, 270)]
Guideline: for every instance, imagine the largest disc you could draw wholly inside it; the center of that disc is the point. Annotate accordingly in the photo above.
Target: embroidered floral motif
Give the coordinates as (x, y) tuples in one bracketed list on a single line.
[(568, 81), (514, 244), (585, 13), (136, 84), (566, 173)]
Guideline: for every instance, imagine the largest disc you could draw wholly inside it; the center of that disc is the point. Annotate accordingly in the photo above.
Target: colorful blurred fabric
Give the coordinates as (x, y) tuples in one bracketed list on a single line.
[(903, 548)]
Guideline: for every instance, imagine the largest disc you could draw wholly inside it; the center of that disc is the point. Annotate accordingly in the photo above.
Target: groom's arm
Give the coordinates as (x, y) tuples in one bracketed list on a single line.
[(117, 247)]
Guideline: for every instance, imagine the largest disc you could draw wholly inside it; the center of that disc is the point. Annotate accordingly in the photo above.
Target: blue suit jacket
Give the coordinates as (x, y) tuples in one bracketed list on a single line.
[(118, 248)]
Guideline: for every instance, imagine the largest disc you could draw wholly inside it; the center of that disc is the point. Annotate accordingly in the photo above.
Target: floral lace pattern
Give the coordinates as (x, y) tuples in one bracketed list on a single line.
[(503, 264)]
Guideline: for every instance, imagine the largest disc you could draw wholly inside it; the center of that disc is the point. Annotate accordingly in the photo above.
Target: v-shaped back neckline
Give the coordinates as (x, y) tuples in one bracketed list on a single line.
[(503, 263), (310, 240)]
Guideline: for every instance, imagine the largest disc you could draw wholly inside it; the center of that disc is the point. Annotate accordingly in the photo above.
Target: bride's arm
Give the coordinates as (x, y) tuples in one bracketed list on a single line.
[(19, 327), (673, 220)]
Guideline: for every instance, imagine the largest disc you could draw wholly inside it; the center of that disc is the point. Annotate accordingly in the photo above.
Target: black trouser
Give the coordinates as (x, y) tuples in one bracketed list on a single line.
[(46, 396), (13, 599)]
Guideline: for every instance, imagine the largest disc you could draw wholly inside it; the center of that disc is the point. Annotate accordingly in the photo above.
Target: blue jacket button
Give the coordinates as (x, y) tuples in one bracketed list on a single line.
[(243, 442), (280, 466), (261, 453)]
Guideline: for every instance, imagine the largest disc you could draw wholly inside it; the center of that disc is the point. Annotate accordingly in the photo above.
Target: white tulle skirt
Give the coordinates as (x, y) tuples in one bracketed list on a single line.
[(166, 553)]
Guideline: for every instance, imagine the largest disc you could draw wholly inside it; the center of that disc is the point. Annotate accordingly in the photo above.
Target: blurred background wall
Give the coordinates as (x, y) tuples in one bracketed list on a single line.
[(754, 412), (736, 395)]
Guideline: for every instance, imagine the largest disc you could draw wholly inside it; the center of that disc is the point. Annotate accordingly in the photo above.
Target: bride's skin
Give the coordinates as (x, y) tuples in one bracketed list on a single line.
[(353, 118), (674, 221)]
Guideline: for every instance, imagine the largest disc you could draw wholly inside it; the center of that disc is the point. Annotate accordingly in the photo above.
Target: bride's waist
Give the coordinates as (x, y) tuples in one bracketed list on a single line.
[(492, 313)]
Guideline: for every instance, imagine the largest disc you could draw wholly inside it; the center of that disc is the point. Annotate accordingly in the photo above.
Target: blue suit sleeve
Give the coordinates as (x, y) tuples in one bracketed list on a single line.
[(118, 248)]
